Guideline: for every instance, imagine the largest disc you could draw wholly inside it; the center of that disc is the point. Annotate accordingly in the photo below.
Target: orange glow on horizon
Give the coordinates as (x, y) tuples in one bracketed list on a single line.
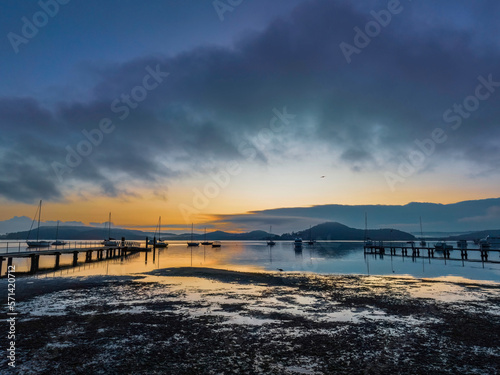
[(142, 210)]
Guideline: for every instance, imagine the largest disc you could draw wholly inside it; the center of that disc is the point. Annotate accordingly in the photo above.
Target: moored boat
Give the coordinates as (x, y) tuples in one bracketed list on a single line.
[(490, 242), (37, 243), (311, 241), (270, 242), (192, 243), (442, 245), (422, 241), (109, 241), (160, 242), (205, 242), (297, 243), (57, 242)]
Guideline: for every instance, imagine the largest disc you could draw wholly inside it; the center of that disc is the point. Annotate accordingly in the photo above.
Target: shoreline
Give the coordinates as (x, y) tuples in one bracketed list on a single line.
[(210, 321)]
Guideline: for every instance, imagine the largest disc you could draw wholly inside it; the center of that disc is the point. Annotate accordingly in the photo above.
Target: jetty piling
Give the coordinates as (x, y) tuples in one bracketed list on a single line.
[(101, 253), (58, 257), (417, 251)]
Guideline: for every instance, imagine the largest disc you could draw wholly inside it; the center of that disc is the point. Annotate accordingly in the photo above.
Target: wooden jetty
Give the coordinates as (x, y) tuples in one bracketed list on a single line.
[(93, 252), (430, 252)]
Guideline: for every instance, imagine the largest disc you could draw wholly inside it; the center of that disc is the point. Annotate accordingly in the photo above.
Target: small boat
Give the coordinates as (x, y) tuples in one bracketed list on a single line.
[(192, 243), (37, 243), (422, 241), (206, 243), (57, 242), (483, 243), (490, 242), (311, 241), (110, 241), (440, 246), (160, 242), (297, 245), (270, 242), (216, 244), (368, 241)]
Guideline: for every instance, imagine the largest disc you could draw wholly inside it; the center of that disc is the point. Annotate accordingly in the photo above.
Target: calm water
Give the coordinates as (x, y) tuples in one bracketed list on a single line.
[(323, 258)]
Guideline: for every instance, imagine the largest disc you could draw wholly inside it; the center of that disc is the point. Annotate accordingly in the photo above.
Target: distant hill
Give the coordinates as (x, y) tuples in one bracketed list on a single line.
[(77, 233), (467, 216), (337, 231), (475, 235), (325, 231)]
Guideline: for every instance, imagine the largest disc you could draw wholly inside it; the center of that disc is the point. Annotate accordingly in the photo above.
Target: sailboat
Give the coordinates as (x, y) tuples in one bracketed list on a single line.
[(206, 242), (311, 241), (368, 241), (192, 244), (270, 242), (110, 241), (160, 242), (422, 241), (57, 242), (37, 243)]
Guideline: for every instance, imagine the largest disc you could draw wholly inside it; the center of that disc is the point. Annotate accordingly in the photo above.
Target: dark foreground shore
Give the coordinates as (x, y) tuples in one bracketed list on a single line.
[(207, 321)]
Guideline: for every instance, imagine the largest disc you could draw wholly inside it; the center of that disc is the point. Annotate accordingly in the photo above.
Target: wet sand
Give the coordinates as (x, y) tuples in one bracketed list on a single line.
[(210, 321)]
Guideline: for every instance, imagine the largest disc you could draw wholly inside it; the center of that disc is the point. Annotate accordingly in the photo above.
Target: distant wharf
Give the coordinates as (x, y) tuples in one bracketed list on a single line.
[(409, 249)]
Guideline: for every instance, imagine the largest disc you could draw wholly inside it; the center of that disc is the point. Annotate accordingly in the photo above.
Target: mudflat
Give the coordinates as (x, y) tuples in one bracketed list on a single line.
[(214, 321)]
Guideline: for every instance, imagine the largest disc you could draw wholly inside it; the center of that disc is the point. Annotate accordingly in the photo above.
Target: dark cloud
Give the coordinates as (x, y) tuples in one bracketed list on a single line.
[(461, 216), (369, 112)]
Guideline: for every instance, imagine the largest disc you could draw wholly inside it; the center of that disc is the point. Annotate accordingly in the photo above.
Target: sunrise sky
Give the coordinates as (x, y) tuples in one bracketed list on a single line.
[(194, 109)]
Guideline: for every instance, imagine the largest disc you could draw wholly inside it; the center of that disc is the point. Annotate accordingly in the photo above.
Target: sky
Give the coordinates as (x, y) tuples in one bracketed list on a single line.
[(202, 110)]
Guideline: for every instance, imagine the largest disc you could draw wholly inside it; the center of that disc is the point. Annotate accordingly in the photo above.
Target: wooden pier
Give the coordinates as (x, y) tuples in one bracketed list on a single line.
[(429, 252), (92, 253)]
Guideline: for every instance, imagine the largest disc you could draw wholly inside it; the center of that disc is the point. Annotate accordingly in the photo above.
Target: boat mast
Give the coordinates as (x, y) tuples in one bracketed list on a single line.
[(366, 226), (191, 232), (421, 232), (159, 229), (39, 213), (109, 226), (57, 229)]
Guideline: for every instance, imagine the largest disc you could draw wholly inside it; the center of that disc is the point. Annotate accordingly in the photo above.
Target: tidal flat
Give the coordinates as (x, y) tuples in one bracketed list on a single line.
[(214, 321)]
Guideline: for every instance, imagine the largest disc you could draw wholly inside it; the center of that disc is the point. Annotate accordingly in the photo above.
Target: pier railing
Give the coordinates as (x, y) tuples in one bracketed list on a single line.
[(445, 251), (19, 246)]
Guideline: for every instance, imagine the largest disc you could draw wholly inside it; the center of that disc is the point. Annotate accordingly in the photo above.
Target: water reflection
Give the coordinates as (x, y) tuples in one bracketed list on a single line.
[(322, 257)]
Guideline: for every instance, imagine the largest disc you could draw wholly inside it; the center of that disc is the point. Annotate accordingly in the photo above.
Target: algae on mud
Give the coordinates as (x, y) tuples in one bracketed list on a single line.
[(210, 321)]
